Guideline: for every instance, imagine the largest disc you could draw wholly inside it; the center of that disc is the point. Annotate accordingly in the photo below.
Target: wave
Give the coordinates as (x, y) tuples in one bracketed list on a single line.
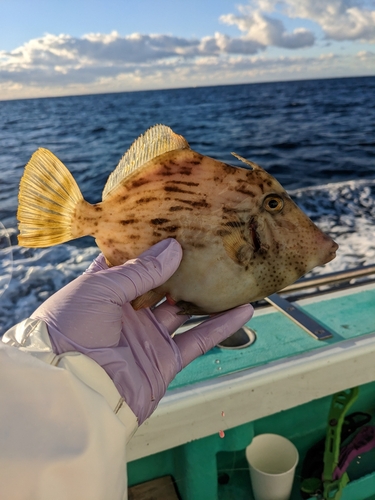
[(346, 211)]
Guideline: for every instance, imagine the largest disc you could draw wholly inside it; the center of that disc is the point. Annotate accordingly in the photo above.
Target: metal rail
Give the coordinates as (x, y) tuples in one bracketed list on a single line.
[(295, 313), (330, 278)]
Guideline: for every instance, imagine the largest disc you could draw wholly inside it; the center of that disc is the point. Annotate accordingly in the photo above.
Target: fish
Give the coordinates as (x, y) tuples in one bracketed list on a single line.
[(243, 237)]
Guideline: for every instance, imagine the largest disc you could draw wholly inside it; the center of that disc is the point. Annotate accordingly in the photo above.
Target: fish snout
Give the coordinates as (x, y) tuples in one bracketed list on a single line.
[(328, 248)]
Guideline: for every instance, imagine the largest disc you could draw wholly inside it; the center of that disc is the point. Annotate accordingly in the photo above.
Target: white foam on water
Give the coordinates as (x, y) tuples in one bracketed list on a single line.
[(37, 274), (346, 211)]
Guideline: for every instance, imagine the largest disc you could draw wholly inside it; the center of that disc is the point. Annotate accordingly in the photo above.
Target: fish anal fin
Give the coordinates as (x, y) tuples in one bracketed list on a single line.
[(148, 299), (189, 308), (154, 142)]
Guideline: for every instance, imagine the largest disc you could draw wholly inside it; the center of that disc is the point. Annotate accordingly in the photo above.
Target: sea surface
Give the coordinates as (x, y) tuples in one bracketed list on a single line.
[(316, 137)]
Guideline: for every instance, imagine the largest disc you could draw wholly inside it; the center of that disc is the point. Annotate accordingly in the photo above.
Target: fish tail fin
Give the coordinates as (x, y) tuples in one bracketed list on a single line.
[(48, 197)]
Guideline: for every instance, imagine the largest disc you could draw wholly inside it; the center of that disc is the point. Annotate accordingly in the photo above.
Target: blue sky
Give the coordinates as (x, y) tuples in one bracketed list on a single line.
[(65, 47)]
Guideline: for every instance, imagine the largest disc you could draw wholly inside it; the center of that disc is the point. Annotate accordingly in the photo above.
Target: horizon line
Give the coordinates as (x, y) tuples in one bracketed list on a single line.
[(189, 88)]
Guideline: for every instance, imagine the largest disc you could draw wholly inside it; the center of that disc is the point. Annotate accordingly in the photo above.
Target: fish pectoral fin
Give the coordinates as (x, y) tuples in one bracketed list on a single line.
[(236, 246), (148, 299)]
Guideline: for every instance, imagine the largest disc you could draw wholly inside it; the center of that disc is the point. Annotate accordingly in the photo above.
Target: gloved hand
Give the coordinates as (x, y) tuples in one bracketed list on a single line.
[(93, 315)]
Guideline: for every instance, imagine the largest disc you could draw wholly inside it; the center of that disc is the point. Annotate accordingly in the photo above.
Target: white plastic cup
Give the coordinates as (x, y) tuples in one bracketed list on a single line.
[(272, 461)]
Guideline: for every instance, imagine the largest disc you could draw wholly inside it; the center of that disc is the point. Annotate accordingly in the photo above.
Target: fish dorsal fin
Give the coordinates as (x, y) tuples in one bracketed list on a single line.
[(251, 164), (155, 141)]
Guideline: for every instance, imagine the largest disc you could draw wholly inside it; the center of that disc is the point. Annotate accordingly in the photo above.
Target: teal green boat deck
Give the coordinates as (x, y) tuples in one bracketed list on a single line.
[(347, 315)]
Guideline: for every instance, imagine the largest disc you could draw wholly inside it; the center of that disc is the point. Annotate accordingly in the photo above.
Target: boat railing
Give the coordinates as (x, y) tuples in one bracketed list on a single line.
[(305, 287), (349, 276)]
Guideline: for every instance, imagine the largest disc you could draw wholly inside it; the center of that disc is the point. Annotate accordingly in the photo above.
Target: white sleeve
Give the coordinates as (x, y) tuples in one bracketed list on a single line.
[(60, 439)]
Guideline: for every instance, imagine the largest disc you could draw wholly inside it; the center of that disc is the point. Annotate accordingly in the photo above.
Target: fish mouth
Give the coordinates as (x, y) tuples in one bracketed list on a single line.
[(254, 235), (332, 252)]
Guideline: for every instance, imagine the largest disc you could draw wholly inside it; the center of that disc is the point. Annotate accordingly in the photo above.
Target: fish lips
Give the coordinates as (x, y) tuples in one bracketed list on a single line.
[(331, 254)]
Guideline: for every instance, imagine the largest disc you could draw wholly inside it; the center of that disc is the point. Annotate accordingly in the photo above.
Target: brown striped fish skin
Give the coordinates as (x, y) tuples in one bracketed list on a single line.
[(243, 238)]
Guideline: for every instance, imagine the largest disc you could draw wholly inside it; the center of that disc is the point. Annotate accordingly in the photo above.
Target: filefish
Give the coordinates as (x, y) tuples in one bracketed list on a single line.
[(243, 238)]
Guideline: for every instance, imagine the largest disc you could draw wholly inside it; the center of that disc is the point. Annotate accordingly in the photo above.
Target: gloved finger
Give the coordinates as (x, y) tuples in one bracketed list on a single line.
[(211, 332), (167, 315), (99, 264), (124, 283)]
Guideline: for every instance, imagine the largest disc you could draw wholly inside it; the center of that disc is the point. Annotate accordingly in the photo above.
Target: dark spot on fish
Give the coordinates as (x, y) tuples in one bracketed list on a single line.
[(235, 223), (228, 210), (170, 229), (95, 223), (156, 234), (123, 198), (127, 221), (178, 208), (146, 200), (195, 162), (167, 170), (217, 179), (246, 268), (196, 204), (139, 182), (175, 189), (98, 208), (245, 191), (196, 244), (185, 183), (269, 183), (223, 232), (134, 236), (185, 171), (228, 169), (157, 222), (261, 187)]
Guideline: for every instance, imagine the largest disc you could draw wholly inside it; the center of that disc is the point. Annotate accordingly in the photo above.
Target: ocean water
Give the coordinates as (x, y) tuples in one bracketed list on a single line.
[(316, 137)]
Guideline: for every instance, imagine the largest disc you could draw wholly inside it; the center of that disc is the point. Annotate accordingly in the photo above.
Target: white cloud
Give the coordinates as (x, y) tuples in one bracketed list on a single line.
[(54, 60), (269, 31), (338, 19), (97, 62)]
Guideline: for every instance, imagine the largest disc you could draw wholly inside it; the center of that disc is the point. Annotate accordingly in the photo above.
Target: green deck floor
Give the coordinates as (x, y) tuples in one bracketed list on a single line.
[(348, 316)]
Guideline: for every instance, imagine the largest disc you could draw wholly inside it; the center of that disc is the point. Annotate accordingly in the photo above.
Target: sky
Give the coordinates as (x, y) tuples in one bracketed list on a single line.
[(73, 47)]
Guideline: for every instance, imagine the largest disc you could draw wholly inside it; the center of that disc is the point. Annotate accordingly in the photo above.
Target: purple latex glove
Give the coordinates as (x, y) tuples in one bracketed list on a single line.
[(93, 315)]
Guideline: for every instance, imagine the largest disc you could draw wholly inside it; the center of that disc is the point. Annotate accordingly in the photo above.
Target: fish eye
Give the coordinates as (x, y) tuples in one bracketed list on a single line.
[(273, 203)]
